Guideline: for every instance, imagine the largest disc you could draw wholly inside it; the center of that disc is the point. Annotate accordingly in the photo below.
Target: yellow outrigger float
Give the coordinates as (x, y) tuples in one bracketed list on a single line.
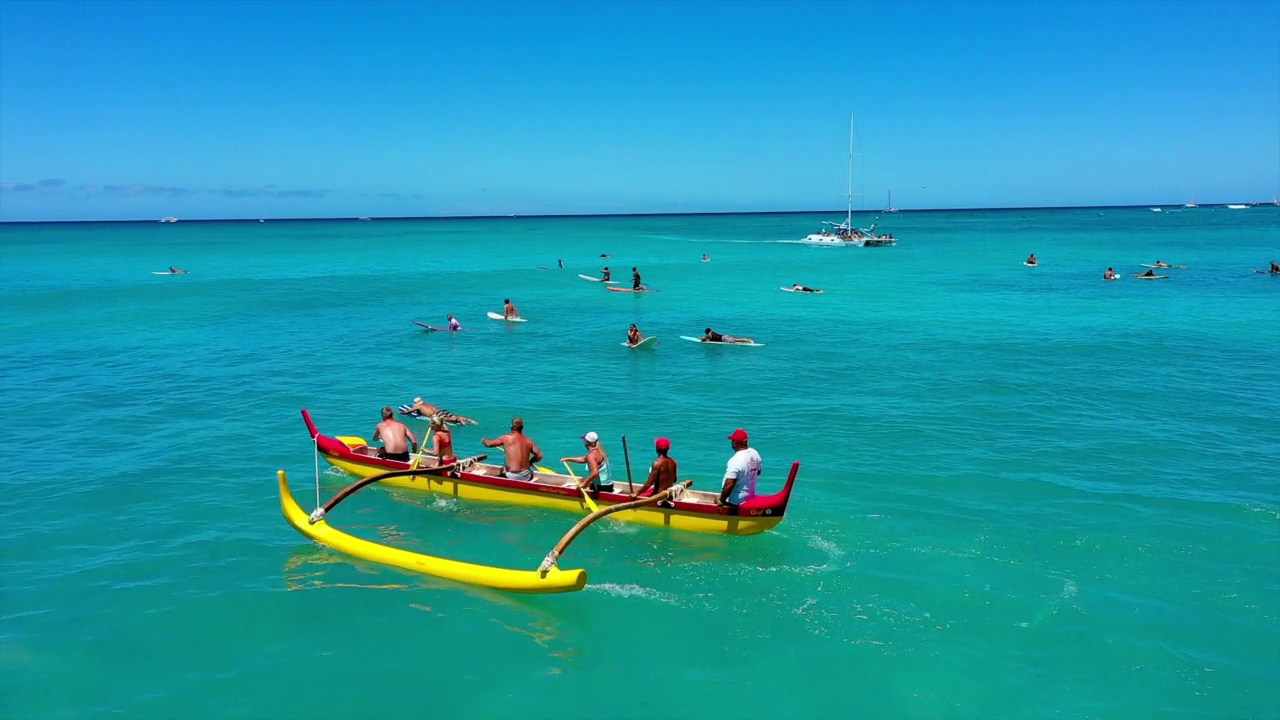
[(319, 530)]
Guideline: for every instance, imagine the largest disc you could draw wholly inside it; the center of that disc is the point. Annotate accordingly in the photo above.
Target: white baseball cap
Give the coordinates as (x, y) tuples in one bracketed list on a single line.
[(591, 437)]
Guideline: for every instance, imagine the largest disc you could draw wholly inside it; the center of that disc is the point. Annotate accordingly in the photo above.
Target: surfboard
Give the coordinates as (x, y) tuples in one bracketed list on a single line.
[(627, 289), (710, 342), (645, 343), (1030, 264), (596, 279), (499, 316), (166, 272), (430, 328), (806, 292)]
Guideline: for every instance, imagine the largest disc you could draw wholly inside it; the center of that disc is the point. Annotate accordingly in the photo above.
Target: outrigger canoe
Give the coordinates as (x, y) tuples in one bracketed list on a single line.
[(473, 479)]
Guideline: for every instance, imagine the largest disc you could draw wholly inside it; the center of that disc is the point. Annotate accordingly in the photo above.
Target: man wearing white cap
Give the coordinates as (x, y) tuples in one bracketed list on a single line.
[(597, 462), (741, 473)]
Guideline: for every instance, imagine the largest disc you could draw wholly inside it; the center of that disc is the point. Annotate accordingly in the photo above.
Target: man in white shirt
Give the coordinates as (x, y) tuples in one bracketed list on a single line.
[(741, 473)]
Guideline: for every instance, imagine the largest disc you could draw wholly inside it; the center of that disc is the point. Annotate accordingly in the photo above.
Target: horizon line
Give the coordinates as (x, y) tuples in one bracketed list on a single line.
[(713, 213)]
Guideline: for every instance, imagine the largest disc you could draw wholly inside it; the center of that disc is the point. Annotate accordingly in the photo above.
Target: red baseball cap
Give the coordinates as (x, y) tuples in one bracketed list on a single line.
[(738, 435), (662, 443)]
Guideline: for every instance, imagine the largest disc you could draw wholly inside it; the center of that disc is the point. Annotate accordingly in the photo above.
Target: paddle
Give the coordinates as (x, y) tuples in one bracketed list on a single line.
[(585, 496), (422, 449), (626, 456)]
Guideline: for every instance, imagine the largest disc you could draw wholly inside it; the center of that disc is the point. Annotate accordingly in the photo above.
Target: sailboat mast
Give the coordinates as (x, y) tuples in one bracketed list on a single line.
[(848, 214)]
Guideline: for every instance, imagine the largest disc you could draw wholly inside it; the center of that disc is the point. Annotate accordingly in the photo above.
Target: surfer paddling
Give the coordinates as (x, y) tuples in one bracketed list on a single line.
[(804, 288), (176, 271), (635, 280), (1149, 273), (710, 335), (427, 410)]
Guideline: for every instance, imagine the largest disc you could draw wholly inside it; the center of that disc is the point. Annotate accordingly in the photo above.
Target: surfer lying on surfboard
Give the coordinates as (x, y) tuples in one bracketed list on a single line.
[(177, 271), (713, 336), (804, 288), (427, 410)]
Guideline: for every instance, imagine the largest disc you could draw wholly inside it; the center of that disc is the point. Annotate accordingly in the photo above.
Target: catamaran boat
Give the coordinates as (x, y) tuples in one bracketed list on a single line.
[(844, 234), (169, 218)]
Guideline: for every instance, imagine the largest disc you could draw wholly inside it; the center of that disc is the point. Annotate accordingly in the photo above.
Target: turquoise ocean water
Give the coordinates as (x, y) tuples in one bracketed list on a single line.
[(1025, 493)]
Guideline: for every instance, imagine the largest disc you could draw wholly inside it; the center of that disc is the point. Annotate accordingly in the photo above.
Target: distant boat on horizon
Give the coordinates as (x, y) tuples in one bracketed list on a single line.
[(169, 218), (366, 218), (1237, 207), (1190, 203), (890, 208)]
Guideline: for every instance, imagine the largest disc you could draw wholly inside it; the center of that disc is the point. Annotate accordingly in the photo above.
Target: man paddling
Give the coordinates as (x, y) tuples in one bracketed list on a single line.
[(713, 336), (662, 473), (635, 280), (740, 474), (803, 288), (397, 439), (519, 451), (427, 410)]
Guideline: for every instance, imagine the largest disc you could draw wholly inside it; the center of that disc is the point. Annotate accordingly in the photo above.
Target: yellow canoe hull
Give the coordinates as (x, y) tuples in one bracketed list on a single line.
[(530, 581), (463, 489)]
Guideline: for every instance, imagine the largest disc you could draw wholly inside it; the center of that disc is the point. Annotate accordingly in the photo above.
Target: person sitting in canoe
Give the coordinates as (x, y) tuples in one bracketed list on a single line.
[(397, 439), (713, 336), (741, 472), (604, 274), (596, 459), (1031, 260), (633, 335), (1109, 274), (453, 323), (804, 288), (519, 451), (427, 410), (442, 441), (662, 473), (508, 309)]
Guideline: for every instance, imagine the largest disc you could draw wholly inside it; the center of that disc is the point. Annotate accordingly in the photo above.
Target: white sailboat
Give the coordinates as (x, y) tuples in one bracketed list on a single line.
[(890, 208), (845, 234)]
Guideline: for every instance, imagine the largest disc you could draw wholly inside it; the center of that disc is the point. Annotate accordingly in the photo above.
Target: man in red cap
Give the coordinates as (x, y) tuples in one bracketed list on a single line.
[(741, 473), (662, 473)]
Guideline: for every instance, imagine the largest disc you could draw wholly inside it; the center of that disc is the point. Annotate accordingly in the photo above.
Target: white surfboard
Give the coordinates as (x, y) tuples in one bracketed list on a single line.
[(815, 291), (500, 316), (1030, 264), (596, 279), (645, 343), (711, 342)]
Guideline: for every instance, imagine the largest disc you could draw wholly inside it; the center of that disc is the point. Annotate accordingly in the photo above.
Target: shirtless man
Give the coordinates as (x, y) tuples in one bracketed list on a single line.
[(427, 410), (1161, 264), (508, 309), (635, 279), (519, 451), (1148, 273), (442, 441), (397, 439), (633, 335), (453, 323), (1110, 274), (604, 274), (662, 473), (1275, 268), (802, 288), (713, 336), (1031, 260)]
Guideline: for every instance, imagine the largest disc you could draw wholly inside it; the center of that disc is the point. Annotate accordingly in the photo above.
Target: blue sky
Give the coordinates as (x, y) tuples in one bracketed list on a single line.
[(114, 110)]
